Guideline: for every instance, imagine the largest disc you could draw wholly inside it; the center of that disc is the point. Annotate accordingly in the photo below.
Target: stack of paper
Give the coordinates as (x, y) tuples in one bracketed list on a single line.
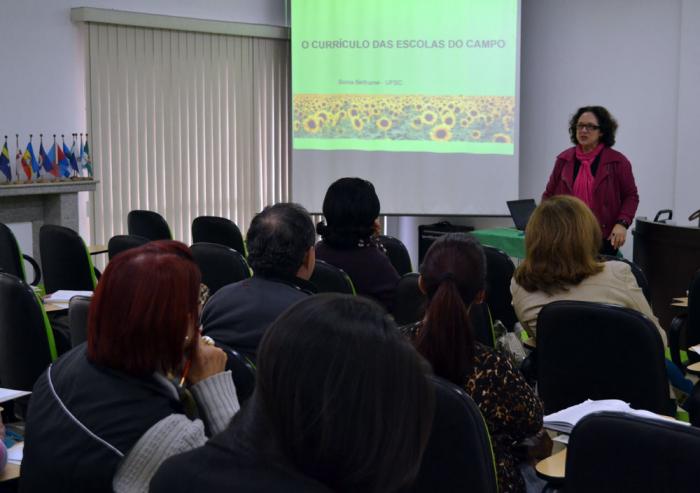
[(15, 453), (564, 421), (9, 394), (63, 296)]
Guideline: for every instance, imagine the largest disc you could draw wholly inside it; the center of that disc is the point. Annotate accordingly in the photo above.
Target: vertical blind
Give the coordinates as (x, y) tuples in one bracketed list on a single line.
[(185, 124)]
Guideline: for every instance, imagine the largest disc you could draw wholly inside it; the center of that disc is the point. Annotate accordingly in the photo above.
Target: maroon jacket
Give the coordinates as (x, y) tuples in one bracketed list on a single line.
[(615, 194)]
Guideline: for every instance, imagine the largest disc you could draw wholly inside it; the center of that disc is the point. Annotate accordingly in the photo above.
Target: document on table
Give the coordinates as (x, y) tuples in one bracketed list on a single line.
[(63, 296), (9, 394), (15, 453)]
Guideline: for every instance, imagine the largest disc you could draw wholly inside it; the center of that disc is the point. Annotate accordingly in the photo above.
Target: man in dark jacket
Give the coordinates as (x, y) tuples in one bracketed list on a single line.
[(280, 244)]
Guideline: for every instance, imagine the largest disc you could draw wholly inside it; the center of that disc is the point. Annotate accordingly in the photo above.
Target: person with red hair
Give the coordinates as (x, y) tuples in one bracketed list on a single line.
[(107, 414)]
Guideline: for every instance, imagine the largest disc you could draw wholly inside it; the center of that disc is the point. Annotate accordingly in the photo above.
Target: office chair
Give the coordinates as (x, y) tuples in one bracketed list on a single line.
[(685, 328), (596, 351), (211, 229), (636, 271), (409, 301), (612, 452), (65, 260), (328, 278), (219, 264), (119, 243), (27, 343), (242, 372), (11, 257), (78, 308), (148, 224), (458, 456), (499, 272), (397, 253)]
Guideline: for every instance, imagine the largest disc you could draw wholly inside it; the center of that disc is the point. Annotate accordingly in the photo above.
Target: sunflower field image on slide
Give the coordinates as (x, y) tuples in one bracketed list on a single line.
[(438, 76)]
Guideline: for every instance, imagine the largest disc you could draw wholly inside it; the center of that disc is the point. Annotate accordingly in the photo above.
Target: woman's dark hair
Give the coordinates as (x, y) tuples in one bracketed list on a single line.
[(345, 395), (608, 124), (144, 305), (350, 207), (453, 273)]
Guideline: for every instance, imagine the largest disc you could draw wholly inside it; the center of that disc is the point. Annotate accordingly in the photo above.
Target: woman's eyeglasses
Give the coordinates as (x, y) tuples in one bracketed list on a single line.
[(587, 126)]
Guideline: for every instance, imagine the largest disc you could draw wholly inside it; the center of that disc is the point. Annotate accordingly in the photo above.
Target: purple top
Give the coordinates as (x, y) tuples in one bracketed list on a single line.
[(368, 267)]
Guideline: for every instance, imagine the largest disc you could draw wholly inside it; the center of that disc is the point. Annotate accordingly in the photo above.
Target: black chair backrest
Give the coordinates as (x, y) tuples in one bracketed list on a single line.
[(242, 372), (397, 253), (636, 271), (595, 351), (212, 229), (27, 346), (481, 324), (499, 272), (331, 279), (458, 456), (11, 258), (148, 224), (120, 243), (65, 260), (409, 304), (78, 308), (613, 452), (220, 265)]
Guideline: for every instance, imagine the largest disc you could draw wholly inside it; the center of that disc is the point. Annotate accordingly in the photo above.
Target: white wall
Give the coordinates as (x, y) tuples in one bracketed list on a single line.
[(42, 83)]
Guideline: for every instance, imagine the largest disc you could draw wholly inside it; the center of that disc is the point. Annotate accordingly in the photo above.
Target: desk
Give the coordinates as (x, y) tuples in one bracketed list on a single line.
[(553, 468), (54, 307), (11, 471), (510, 240), (97, 249)]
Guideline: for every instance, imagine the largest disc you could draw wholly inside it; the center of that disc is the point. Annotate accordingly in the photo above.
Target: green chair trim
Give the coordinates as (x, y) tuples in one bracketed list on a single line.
[(47, 328)]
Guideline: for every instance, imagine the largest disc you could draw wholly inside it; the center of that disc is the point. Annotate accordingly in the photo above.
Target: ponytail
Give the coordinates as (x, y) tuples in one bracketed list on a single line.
[(446, 338)]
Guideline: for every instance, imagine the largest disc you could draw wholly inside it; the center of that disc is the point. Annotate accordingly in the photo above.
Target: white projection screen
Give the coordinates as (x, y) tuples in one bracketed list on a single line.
[(419, 97)]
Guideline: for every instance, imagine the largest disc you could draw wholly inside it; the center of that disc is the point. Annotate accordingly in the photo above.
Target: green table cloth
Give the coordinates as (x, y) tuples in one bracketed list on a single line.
[(510, 240)]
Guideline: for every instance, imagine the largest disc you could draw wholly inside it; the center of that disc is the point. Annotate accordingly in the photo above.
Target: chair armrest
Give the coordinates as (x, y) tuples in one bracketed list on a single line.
[(35, 266), (676, 333)]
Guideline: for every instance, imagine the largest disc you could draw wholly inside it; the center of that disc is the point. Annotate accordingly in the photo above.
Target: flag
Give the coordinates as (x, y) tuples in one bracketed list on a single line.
[(27, 163), (18, 162), (87, 163), (48, 161), (64, 159), (34, 163), (72, 159), (5, 162)]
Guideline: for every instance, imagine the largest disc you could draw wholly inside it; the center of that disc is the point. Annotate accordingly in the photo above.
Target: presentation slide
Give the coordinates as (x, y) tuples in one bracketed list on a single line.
[(392, 90)]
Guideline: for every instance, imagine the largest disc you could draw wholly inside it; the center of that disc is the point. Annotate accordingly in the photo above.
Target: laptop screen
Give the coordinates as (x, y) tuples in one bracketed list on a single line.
[(520, 211)]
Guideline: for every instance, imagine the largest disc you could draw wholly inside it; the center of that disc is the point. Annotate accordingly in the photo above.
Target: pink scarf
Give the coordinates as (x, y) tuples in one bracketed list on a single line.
[(583, 185)]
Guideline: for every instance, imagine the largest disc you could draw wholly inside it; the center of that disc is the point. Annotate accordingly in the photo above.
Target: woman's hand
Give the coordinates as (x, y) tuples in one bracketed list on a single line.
[(209, 360), (618, 236)]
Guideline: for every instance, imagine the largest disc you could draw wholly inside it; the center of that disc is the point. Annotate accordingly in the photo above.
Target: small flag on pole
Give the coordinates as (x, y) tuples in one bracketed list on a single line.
[(63, 152), (72, 158), (5, 161), (88, 160), (18, 157), (36, 169)]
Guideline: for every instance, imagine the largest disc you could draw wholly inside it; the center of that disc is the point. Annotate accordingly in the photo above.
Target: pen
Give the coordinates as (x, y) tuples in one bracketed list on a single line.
[(185, 371)]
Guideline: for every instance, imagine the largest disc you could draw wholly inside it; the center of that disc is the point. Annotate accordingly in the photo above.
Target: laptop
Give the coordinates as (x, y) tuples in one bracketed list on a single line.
[(520, 211)]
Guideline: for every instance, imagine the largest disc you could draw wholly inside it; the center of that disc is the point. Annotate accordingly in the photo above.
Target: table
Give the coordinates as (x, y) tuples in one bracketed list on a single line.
[(97, 249), (510, 240), (553, 468)]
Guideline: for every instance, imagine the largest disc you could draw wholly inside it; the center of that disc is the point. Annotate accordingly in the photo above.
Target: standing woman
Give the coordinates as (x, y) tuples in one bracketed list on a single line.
[(597, 174)]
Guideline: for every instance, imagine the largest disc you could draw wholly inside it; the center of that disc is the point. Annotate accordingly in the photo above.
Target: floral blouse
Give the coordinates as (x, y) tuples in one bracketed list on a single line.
[(510, 407)]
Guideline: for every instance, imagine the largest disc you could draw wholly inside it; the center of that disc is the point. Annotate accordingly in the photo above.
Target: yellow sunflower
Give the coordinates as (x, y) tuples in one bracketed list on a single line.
[(429, 117), (383, 123), (441, 133), (475, 135), (297, 125), (448, 118), (312, 125), (357, 124), (416, 123), (502, 138)]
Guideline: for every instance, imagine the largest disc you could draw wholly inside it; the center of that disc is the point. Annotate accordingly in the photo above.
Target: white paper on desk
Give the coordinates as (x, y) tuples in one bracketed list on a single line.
[(15, 453), (695, 349), (9, 394), (64, 296)]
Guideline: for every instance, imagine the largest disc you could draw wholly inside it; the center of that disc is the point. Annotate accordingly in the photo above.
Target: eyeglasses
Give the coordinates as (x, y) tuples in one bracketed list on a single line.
[(587, 126)]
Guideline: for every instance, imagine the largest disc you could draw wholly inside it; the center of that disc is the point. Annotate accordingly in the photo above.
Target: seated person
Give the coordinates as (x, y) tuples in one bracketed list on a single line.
[(3, 449), (341, 403), (453, 276), (351, 211), (280, 245), (107, 413), (562, 240)]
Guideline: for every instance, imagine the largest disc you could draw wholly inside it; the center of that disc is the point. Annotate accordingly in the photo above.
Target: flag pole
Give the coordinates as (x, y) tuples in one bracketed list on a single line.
[(17, 165)]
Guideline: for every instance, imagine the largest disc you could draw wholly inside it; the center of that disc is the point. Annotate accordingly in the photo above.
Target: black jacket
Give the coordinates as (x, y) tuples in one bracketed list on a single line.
[(238, 314), (82, 420)]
